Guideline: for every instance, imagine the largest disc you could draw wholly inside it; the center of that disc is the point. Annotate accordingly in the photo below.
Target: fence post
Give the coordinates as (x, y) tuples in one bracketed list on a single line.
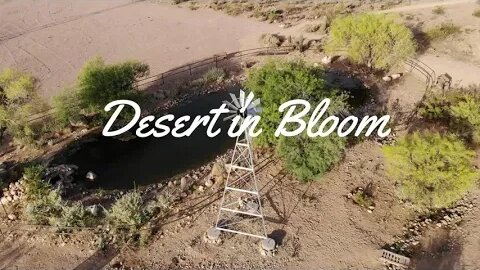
[(216, 61), (190, 69)]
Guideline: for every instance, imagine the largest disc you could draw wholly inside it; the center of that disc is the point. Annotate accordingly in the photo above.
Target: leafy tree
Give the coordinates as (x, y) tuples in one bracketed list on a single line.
[(375, 40), (277, 82), (432, 170), (18, 101), (97, 85)]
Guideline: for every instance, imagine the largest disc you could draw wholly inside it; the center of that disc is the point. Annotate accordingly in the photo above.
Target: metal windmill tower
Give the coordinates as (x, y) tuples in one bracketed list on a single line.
[(241, 208)]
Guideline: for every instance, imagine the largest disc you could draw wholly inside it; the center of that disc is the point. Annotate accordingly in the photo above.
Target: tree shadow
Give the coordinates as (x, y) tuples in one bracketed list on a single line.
[(9, 255), (278, 236), (441, 251), (98, 260)]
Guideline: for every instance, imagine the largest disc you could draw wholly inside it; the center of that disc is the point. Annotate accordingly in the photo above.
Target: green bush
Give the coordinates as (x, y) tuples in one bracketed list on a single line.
[(74, 215), (128, 211), (18, 101), (44, 210), (277, 82), (97, 85), (459, 109), (310, 158), (442, 31), (35, 187), (432, 170), (375, 40)]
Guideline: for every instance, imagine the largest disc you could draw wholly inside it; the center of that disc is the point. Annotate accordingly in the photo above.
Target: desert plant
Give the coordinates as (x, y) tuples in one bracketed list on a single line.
[(277, 82), (375, 40), (128, 211), (459, 109), (438, 10), (35, 187), (19, 101), (44, 210), (214, 75), (442, 31), (271, 40), (74, 215), (310, 158), (476, 13), (432, 170), (97, 85)]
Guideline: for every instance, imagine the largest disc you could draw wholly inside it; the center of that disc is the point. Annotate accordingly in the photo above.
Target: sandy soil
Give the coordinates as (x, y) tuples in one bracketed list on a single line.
[(458, 55), (53, 39)]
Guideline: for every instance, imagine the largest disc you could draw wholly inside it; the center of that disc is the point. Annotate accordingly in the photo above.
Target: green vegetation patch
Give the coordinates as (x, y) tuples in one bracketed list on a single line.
[(432, 170)]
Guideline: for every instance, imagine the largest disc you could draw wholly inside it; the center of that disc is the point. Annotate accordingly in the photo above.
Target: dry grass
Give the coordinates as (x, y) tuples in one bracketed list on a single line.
[(438, 10), (442, 31), (476, 13)]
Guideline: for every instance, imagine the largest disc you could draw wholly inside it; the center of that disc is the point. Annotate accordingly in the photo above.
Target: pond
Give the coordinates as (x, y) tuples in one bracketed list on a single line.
[(142, 161)]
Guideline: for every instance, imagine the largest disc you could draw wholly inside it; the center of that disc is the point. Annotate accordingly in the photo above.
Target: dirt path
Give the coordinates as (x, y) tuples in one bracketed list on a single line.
[(53, 39), (426, 4)]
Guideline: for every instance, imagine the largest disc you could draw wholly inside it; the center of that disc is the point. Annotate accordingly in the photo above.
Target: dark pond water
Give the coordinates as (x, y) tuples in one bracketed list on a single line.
[(142, 161)]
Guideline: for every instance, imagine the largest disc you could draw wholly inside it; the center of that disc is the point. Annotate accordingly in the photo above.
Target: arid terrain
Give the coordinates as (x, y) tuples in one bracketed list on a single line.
[(316, 225)]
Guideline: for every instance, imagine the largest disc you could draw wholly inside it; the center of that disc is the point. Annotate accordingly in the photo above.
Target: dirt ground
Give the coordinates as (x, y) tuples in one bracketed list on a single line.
[(53, 39), (315, 225)]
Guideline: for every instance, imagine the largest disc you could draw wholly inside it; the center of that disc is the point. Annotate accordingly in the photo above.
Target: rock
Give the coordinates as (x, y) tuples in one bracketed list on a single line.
[(268, 244), (183, 183), (15, 198), (9, 198), (209, 182), (12, 217), (326, 60), (91, 176), (201, 188), (387, 78), (4, 200), (94, 209)]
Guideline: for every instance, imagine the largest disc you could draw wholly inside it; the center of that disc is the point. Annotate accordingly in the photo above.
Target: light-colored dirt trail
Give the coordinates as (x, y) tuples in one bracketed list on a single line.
[(426, 4), (162, 35)]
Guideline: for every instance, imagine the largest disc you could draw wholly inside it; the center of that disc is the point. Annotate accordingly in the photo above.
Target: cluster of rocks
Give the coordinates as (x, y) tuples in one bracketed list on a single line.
[(13, 193), (444, 218)]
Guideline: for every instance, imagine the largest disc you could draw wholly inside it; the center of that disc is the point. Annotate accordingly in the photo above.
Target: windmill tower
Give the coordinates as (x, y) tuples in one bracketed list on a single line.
[(240, 207)]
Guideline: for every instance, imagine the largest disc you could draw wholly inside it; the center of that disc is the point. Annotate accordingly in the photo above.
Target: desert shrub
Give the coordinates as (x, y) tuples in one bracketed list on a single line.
[(35, 187), (310, 158), (19, 101), (66, 106), (214, 75), (459, 109), (438, 10), (442, 31), (277, 82), (271, 40), (74, 215), (44, 210), (432, 170), (375, 40), (97, 85), (128, 211), (476, 13)]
